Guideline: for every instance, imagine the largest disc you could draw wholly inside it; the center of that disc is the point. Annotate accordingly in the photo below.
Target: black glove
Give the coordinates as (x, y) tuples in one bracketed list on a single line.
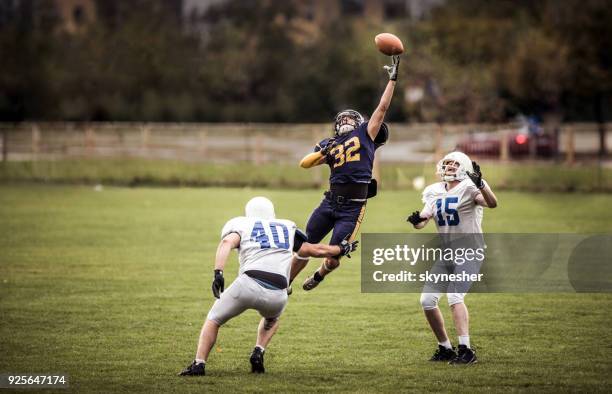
[(218, 284), (393, 69), (476, 176), (347, 247), (415, 218), (331, 144)]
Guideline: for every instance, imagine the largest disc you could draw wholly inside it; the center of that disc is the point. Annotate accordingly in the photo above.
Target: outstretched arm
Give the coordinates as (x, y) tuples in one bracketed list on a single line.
[(378, 116), (318, 250), (322, 250), (486, 197)]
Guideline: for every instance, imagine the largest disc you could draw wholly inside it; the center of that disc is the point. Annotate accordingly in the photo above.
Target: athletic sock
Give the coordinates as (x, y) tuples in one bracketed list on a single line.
[(260, 348), (317, 276), (446, 344), (199, 361), (464, 340)]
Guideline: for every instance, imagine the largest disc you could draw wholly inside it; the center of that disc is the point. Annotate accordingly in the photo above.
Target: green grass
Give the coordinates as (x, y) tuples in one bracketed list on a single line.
[(112, 287), (512, 176)]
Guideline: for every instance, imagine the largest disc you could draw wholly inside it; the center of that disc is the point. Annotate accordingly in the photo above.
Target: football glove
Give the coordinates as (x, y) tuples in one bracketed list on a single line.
[(415, 218), (347, 247), (476, 176), (218, 284), (393, 69), (331, 144)]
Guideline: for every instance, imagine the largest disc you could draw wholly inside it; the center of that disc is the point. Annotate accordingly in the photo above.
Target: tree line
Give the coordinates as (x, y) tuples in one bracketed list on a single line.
[(471, 61)]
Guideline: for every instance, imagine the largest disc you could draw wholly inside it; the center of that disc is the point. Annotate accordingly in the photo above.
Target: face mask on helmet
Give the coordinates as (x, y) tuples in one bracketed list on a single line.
[(449, 170), (454, 167), (347, 121), (346, 125)]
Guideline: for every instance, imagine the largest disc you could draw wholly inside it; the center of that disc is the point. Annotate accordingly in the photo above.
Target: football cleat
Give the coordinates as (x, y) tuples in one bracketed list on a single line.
[(465, 355), (194, 370), (310, 283), (257, 361), (443, 354)]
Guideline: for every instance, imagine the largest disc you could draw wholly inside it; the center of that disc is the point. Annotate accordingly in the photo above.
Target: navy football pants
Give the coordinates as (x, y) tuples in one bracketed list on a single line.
[(343, 219)]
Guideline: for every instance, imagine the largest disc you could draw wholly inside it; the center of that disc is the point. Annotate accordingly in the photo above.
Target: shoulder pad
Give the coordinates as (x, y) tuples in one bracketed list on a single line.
[(233, 226), (383, 135)]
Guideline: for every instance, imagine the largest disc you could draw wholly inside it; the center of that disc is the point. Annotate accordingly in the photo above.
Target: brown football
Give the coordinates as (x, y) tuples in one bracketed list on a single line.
[(389, 44)]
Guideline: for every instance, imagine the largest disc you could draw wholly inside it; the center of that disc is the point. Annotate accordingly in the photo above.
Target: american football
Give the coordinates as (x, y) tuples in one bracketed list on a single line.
[(230, 196), (389, 44)]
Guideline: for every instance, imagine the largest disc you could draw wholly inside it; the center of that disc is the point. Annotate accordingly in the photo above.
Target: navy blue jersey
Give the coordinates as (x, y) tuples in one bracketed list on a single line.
[(351, 161)]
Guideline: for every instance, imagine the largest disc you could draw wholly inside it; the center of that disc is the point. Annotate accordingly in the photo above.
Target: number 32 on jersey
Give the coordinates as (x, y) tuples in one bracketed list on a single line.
[(349, 151), (446, 211)]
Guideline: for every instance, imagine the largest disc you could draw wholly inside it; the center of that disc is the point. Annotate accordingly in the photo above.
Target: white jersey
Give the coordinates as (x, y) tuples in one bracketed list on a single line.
[(454, 211), (265, 245)]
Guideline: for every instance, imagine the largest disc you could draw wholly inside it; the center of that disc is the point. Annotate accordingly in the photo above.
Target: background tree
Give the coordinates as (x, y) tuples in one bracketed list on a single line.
[(475, 61)]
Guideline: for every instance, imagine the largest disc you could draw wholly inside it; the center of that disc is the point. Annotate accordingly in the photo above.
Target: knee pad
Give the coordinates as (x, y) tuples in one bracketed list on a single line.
[(455, 298), (330, 264), (429, 301)]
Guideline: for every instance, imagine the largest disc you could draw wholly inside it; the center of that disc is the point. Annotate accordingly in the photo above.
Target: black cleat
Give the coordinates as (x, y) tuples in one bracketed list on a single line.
[(257, 361), (194, 370), (464, 356), (312, 281), (443, 354)]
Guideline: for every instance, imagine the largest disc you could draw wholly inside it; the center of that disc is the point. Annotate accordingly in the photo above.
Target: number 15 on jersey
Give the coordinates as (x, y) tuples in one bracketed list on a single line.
[(446, 211)]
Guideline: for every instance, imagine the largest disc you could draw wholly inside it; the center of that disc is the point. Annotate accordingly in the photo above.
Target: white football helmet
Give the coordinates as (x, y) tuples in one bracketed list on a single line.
[(454, 167), (260, 207)]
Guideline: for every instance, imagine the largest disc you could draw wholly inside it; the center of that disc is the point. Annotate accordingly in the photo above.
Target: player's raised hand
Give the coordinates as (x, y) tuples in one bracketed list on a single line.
[(415, 218), (476, 176), (218, 284), (347, 247), (393, 69)]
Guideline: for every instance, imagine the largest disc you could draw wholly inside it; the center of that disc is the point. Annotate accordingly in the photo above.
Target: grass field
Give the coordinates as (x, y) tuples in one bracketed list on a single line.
[(111, 287), (538, 177)]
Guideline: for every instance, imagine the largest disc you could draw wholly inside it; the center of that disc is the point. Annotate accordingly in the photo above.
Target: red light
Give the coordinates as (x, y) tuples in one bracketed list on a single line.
[(521, 139)]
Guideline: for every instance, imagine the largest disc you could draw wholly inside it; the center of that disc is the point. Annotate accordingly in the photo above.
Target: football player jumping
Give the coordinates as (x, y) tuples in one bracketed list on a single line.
[(456, 205), (350, 156), (266, 247)]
